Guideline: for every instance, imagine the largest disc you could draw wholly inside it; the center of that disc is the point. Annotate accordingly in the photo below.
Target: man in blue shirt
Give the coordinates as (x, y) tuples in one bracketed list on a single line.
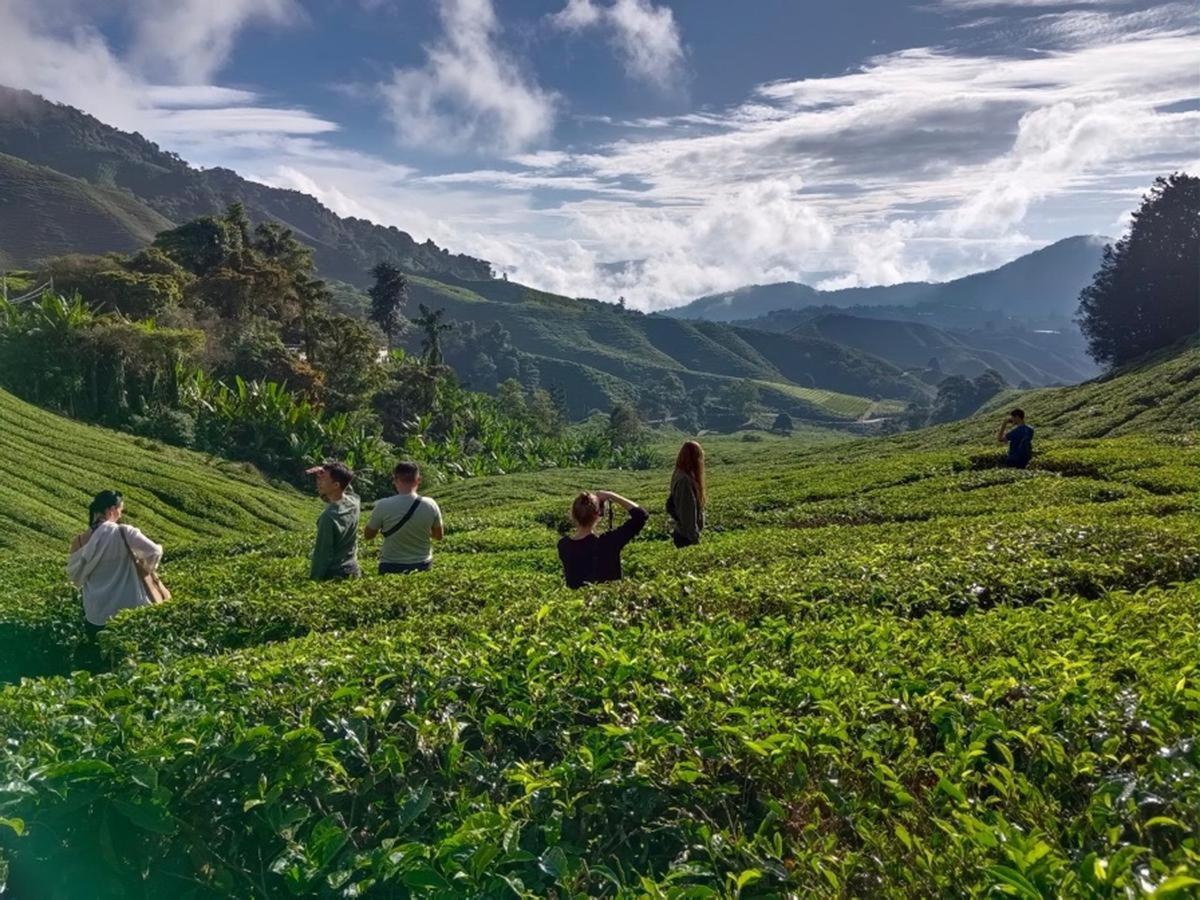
[(1019, 438)]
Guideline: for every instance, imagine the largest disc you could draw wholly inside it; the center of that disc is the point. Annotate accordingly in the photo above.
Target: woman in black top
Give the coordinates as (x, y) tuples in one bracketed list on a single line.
[(590, 558)]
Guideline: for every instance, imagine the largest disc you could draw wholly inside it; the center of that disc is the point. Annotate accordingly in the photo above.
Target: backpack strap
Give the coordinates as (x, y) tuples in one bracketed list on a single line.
[(404, 521)]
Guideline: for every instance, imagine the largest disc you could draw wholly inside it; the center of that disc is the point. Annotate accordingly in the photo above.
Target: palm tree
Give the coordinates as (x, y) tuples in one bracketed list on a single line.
[(430, 322)]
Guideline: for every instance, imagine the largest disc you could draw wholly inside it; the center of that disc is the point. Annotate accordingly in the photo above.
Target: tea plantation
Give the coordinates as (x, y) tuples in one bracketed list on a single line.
[(891, 669)]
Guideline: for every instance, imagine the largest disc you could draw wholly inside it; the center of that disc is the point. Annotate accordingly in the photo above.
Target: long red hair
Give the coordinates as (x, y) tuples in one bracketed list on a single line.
[(690, 461)]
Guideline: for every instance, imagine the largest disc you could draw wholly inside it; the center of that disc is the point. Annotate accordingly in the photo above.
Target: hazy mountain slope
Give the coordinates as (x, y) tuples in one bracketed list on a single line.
[(73, 143), (598, 352), (1040, 286), (576, 342), (45, 213), (913, 345)]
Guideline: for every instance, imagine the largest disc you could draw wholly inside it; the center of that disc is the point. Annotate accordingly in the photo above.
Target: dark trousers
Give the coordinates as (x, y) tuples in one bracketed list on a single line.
[(387, 568), (351, 571)]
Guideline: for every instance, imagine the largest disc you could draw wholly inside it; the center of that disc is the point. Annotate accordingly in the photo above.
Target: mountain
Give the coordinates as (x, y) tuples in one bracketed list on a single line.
[(1039, 288), (74, 184), (1020, 355), (602, 353), (43, 211), (118, 186)]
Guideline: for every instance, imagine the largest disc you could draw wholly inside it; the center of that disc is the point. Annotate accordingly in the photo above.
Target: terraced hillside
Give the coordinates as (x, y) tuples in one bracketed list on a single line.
[(891, 669), (51, 467), (601, 353)]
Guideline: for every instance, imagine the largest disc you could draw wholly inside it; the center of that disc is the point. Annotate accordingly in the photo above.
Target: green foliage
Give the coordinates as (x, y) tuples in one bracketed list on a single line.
[(1144, 297), (958, 397), (892, 668), (388, 295)]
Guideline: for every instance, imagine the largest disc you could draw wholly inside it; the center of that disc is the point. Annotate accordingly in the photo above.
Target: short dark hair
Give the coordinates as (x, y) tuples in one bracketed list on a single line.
[(406, 471), (339, 473), (1018, 413)]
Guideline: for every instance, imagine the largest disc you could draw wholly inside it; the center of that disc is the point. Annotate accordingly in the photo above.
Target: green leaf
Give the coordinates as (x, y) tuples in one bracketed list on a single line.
[(1014, 879), (17, 825), (1175, 884)]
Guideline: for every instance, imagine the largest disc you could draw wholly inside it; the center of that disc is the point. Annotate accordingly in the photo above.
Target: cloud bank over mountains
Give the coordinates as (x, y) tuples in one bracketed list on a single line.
[(924, 162)]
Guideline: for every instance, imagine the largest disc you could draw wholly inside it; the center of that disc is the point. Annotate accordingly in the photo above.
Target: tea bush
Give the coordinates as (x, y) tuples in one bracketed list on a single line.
[(891, 669)]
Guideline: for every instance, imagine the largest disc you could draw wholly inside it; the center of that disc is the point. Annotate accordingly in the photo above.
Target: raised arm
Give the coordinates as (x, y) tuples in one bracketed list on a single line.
[(1000, 435), (610, 497), (628, 529)]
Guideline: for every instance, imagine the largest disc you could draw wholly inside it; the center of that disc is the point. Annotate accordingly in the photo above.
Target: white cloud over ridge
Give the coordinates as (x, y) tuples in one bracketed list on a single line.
[(924, 163), (470, 92)]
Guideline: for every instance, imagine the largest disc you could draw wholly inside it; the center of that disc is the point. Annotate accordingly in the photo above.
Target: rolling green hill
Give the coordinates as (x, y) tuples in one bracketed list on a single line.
[(891, 668), (72, 143), (603, 353), (1019, 356), (87, 187), (51, 467), (43, 211)]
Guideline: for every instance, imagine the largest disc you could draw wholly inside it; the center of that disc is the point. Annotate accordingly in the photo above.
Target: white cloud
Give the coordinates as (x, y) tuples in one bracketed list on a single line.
[(470, 92), (577, 15), (189, 40), (1022, 4), (645, 36)]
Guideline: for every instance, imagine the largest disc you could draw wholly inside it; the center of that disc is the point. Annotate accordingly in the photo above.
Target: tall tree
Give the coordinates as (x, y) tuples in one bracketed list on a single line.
[(431, 324), (1147, 292), (388, 295)]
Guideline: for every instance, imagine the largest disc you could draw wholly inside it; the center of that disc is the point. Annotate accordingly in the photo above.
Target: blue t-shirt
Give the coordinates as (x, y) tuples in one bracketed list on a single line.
[(1020, 446)]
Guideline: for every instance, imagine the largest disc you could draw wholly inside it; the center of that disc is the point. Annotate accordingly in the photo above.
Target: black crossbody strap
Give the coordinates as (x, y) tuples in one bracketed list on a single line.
[(404, 521)]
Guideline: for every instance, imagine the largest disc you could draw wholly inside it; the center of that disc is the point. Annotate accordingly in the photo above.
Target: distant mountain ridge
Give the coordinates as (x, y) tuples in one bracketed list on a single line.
[(71, 184), (1020, 355), (147, 184), (1039, 287)]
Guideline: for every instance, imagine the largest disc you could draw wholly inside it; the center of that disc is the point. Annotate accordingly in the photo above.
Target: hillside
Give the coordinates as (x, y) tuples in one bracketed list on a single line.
[(1020, 356), (51, 467), (160, 186), (1160, 395), (602, 353), (891, 669), (1038, 288), (43, 211), (94, 188)]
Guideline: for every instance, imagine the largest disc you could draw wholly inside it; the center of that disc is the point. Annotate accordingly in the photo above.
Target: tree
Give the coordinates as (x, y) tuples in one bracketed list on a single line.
[(782, 424), (544, 413), (1145, 295), (431, 324), (388, 294), (742, 397), (624, 426), (511, 397)]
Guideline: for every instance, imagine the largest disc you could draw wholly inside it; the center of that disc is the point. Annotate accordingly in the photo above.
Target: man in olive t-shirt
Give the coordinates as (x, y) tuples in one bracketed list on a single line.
[(335, 552), (409, 524)]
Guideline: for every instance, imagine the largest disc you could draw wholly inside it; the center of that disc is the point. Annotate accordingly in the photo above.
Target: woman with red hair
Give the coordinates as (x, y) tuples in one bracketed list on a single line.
[(685, 505)]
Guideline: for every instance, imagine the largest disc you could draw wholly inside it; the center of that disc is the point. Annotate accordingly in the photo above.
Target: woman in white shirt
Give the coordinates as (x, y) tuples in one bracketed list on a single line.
[(101, 563)]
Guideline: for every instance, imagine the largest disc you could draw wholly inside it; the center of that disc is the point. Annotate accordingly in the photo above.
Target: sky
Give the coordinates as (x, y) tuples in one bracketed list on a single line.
[(654, 150)]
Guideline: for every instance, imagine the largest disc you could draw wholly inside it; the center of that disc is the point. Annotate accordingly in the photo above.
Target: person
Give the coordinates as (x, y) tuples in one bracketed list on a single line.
[(409, 524), (589, 558), (335, 554), (685, 503), (1019, 438), (101, 562)]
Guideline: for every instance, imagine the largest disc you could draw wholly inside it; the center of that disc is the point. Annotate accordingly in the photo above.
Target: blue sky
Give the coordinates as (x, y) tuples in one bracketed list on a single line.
[(657, 149)]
